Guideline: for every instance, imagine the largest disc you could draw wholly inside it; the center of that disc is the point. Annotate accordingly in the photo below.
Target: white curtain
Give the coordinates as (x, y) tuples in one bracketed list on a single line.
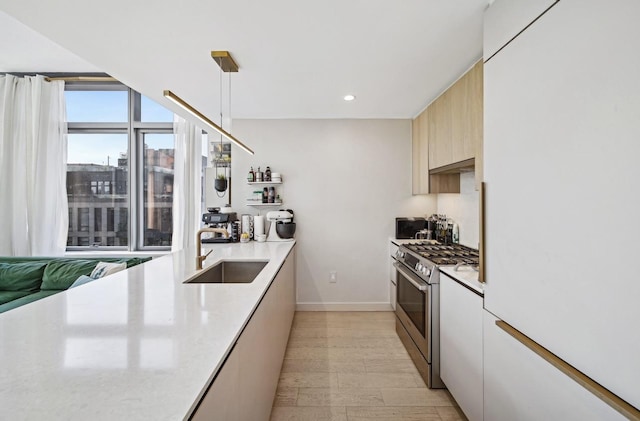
[(33, 159), (187, 190)]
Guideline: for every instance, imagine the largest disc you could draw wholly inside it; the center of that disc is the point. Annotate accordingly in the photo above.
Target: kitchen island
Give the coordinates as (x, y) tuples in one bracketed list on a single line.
[(138, 344)]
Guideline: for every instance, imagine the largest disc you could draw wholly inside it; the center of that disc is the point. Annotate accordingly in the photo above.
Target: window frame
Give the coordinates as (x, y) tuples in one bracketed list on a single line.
[(135, 129)]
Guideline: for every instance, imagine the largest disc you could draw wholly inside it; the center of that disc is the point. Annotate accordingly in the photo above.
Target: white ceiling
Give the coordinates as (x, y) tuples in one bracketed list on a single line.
[(297, 59)]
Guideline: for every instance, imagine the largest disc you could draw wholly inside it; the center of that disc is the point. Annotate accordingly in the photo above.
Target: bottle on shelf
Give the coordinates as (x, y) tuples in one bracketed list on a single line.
[(272, 195), (259, 175), (265, 195), (267, 174), (252, 176)]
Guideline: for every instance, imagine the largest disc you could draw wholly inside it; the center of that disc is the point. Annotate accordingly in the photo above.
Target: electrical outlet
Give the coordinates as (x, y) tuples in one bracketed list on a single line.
[(333, 276)]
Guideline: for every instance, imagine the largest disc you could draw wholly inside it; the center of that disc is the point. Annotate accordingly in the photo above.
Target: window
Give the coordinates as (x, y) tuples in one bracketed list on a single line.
[(151, 111), (97, 105), (157, 191), (94, 164), (97, 220), (119, 168), (83, 219), (110, 219)]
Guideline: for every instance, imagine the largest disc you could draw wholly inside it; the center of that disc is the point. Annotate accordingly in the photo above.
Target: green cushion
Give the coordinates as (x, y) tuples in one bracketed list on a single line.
[(26, 276), (25, 300), (60, 274), (6, 296)]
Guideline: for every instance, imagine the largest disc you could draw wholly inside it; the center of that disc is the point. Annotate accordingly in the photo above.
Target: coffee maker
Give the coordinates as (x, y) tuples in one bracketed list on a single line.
[(227, 221)]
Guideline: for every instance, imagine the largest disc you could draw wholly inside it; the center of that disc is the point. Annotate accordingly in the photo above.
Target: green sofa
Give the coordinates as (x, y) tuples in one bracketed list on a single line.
[(24, 280)]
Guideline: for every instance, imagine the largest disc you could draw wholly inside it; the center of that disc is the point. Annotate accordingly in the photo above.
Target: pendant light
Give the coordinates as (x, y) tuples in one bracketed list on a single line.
[(227, 64)]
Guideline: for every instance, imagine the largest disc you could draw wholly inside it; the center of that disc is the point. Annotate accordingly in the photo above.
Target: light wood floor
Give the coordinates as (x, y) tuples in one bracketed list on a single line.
[(352, 366)]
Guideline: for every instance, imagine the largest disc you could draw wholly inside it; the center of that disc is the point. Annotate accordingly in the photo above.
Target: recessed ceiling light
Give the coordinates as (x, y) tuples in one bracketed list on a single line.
[(349, 97)]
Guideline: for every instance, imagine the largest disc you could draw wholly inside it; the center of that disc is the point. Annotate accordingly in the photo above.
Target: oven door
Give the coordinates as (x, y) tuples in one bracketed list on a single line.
[(413, 308)]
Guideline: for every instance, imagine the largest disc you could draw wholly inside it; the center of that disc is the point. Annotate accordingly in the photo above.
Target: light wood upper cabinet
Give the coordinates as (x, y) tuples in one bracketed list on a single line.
[(455, 121), (466, 110), (448, 133), (423, 183), (415, 157), (440, 134), (420, 156)]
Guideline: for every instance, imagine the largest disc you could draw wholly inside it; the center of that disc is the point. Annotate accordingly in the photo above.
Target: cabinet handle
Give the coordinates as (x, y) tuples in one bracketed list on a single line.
[(614, 401), (481, 259), (419, 285)]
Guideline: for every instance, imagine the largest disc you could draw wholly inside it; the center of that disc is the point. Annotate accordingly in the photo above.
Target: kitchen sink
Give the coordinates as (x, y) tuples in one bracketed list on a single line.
[(227, 272)]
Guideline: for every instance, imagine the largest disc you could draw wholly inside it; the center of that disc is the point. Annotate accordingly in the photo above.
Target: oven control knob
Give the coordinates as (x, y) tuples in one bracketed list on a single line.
[(419, 267), (427, 272)]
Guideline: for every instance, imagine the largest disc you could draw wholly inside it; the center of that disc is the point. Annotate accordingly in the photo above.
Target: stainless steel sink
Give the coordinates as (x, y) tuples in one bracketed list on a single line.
[(227, 272)]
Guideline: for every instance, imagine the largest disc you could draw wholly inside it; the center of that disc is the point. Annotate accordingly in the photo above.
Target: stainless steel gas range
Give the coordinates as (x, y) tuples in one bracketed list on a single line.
[(418, 301)]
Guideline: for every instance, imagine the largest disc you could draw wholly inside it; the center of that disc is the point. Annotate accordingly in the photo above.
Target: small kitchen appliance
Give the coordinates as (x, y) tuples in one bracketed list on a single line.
[(215, 219), (282, 227), (418, 300), (406, 228)]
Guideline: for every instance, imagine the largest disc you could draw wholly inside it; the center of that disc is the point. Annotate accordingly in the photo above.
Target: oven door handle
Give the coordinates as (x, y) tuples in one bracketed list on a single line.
[(410, 277)]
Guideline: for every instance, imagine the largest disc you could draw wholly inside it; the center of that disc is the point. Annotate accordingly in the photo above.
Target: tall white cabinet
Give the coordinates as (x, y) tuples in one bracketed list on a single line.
[(561, 147)]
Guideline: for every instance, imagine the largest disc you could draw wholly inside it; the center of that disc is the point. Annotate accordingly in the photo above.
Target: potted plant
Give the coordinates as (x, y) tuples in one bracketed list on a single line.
[(220, 184)]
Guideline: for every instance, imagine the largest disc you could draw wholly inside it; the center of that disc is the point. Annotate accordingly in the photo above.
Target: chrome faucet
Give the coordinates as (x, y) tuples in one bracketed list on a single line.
[(199, 257)]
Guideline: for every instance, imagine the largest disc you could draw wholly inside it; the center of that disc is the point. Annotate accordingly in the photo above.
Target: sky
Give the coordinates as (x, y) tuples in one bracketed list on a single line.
[(109, 106)]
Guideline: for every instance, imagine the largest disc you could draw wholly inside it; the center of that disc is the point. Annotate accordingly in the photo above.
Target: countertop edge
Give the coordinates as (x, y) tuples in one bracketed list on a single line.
[(472, 285)]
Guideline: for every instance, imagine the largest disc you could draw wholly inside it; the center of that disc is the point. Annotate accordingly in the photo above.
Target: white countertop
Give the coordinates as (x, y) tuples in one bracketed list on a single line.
[(138, 344), (465, 275)]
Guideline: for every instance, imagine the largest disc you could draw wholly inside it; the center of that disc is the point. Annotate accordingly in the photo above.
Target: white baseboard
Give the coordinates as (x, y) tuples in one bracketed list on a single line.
[(343, 307)]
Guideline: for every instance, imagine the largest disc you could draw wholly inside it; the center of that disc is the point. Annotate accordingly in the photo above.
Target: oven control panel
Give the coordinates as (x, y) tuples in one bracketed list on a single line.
[(422, 269), (418, 265)]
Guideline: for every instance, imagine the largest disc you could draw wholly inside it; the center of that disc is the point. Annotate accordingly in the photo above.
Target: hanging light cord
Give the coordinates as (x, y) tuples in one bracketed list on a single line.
[(219, 158)]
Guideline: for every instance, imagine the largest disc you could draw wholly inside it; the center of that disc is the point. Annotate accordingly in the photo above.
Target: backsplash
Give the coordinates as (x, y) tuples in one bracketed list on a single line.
[(464, 208)]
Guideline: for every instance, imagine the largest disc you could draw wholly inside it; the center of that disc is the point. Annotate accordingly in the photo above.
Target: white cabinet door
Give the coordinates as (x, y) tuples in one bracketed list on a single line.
[(520, 385), (461, 345), (504, 19), (562, 123)]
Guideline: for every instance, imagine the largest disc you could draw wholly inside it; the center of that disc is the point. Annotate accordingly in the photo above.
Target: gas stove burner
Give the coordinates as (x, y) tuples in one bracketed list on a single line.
[(446, 254)]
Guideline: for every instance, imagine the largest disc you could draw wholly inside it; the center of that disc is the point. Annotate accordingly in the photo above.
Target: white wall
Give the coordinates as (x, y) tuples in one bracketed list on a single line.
[(464, 209), (346, 181)]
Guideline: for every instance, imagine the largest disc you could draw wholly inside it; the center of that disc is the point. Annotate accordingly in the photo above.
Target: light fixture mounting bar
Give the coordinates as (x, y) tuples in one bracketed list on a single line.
[(225, 61), (204, 119)]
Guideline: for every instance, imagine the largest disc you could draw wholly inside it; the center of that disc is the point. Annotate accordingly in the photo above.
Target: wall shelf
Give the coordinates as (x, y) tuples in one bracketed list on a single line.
[(258, 203), (264, 182), (263, 204)]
